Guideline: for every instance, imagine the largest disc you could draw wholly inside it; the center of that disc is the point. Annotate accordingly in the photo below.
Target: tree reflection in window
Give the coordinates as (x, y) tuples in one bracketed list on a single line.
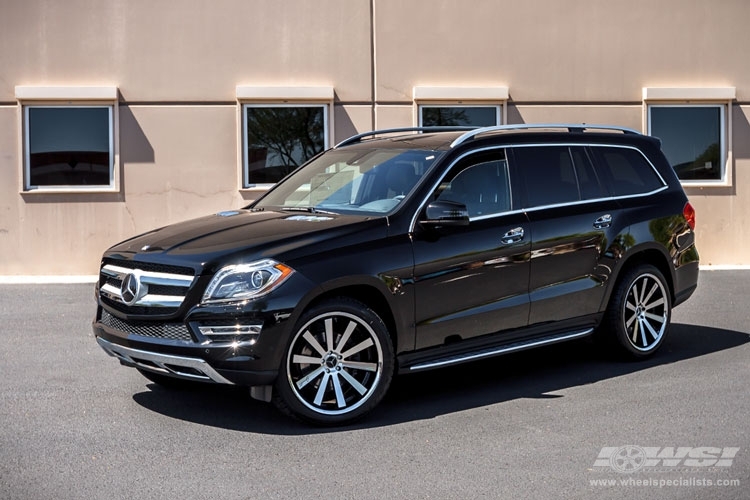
[(280, 139), (458, 116)]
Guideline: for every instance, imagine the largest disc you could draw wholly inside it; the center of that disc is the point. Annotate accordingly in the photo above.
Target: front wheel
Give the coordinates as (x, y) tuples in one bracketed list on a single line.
[(639, 312), (338, 364)]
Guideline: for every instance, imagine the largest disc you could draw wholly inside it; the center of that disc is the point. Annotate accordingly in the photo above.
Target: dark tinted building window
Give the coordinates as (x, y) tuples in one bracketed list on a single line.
[(691, 139), (440, 116), (69, 146), (278, 139)]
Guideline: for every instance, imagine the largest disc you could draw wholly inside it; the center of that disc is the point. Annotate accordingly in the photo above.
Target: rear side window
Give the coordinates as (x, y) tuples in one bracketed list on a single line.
[(627, 170), (557, 174)]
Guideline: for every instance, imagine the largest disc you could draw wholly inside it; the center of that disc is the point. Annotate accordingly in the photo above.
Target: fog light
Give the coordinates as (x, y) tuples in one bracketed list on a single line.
[(243, 334)]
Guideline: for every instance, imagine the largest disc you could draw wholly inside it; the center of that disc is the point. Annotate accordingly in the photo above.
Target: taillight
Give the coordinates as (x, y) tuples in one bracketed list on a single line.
[(689, 212)]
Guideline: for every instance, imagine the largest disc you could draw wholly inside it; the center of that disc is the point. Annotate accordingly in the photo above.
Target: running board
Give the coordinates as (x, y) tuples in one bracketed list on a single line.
[(496, 351)]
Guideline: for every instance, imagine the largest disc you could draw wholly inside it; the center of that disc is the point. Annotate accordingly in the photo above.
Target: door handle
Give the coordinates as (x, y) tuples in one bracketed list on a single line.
[(603, 221), (513, 236)]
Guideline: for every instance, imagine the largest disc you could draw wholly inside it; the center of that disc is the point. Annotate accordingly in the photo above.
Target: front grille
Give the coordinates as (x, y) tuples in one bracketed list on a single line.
[(149, 266), (168, 331), (139, 310), (144, 288)]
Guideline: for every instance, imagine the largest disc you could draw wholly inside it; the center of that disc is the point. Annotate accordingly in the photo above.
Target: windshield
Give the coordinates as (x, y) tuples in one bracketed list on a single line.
[(352, 181)]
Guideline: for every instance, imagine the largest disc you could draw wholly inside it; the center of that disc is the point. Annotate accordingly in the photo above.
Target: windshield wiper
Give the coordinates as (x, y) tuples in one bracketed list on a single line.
[(309, 210)]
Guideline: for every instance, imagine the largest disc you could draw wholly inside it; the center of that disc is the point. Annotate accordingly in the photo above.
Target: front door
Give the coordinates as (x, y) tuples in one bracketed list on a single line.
[(473, 280)]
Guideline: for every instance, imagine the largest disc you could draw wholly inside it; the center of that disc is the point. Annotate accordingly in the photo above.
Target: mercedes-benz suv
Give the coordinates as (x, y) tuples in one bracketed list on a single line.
[(405, 250)]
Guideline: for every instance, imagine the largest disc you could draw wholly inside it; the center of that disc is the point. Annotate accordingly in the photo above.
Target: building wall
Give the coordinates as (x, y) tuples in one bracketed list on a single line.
[(176, 67)]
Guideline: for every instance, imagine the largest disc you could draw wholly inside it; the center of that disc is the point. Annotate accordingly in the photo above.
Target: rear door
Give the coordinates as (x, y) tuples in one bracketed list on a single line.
[(574, 221)]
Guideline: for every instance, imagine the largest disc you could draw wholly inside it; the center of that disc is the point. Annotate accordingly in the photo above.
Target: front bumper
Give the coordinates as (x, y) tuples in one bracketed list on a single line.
[(239, 343), (178, 350), (165, 364)]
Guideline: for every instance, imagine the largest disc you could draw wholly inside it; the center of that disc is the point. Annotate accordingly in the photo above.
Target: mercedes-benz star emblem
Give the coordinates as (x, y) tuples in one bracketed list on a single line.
[(130, 289)]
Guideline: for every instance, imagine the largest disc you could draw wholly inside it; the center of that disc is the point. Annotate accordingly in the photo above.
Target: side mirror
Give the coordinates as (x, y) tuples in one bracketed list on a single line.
[(445, 213)]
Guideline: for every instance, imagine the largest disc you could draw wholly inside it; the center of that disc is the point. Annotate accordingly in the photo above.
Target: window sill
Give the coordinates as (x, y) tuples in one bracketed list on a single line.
[(63, 190), (256, 188), (706, 184)]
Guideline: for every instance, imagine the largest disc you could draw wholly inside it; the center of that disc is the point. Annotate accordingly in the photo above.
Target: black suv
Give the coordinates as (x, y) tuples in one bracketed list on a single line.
[(405, 250)]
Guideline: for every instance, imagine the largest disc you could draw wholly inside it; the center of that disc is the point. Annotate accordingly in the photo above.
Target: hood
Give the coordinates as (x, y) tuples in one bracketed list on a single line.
[(215, 237)]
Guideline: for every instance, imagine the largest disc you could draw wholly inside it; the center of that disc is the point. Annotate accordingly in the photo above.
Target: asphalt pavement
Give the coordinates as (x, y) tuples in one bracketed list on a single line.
[(564, 421)]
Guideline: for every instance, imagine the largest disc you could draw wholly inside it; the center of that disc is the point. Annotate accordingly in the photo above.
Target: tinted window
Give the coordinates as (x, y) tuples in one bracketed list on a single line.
[(588, 182), (549, 173), (628, 170), (691, 138), (281, 138), (69, 146), (480, 184), (478, 116)]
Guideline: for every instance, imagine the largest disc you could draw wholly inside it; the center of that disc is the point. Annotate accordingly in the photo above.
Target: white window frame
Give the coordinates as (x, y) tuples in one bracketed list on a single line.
[(30, 97), (249, 96), (680, 97), (461, 97)]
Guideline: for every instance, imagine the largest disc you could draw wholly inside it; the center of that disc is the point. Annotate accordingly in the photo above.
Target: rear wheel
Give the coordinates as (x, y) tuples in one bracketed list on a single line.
[(640, 309), (338, 364)]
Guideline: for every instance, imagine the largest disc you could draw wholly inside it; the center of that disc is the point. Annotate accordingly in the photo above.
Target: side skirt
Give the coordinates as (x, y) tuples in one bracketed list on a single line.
[(439, 358)]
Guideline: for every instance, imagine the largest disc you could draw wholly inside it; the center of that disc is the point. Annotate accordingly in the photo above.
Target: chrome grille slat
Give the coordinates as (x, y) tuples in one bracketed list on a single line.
[(168, 331), (169, 289)]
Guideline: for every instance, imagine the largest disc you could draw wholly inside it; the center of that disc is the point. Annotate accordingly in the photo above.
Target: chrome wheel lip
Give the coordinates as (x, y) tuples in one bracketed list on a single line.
[(334, 364), (638, 318)]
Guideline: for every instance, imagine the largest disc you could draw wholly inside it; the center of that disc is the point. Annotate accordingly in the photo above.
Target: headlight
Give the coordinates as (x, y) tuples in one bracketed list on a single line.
[(246, 281)]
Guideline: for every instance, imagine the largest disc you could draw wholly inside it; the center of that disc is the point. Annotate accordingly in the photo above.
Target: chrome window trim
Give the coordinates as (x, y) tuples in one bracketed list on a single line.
[(594, 200), (422, 205)]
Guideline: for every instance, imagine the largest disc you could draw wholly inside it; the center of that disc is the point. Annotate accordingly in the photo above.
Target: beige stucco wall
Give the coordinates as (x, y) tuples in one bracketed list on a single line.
[(177, 65)]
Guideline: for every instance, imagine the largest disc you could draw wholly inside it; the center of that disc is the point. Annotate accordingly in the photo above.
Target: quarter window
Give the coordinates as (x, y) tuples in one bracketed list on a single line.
[(693, 139), (627, 170), (279, 138), (68, 147)]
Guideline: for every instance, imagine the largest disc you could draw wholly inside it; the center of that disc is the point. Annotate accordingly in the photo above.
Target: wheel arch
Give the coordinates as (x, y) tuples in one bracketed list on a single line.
[(649, 255), (369, 296)]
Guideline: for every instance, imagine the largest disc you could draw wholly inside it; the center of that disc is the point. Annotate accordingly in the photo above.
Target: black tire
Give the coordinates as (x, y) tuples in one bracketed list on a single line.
[(640, 309), (172, 383), (338, 364)]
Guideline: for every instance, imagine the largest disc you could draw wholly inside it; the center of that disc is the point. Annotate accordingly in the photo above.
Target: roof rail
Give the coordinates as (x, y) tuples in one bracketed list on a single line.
[(358, 138), (572, 127)]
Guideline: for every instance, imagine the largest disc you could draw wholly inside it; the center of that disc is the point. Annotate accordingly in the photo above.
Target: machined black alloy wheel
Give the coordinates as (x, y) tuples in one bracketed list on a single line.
[(338, 365), (640, 311)]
